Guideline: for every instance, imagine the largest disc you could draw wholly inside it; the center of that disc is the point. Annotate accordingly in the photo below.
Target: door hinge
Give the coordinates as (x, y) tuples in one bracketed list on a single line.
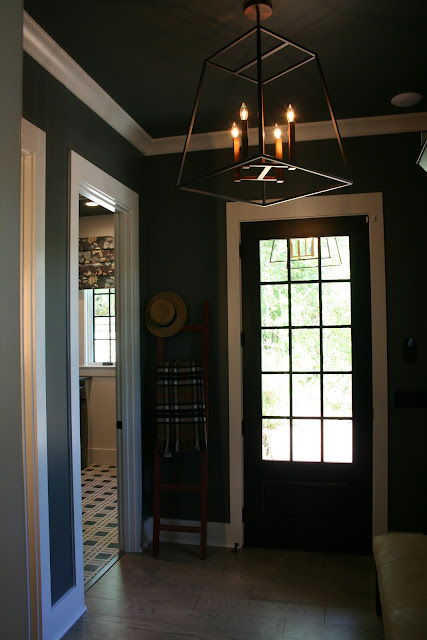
[(243, 514), (243, 427), (241, 251), (119, 424), (242, 338)]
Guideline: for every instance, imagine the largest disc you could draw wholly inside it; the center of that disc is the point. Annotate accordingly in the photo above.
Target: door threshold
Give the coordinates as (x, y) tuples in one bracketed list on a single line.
[(103, 571)]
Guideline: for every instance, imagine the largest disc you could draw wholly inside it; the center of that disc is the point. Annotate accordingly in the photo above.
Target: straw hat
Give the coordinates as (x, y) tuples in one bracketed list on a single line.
[(165, 314)]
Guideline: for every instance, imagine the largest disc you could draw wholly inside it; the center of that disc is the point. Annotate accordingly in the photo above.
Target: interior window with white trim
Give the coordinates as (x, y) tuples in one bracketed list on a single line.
[(100, 326), (104, 326)]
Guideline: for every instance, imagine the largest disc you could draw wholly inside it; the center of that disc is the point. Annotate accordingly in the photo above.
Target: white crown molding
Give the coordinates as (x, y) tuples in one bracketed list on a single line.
[(40, 46), (383, 125), (349, 128)]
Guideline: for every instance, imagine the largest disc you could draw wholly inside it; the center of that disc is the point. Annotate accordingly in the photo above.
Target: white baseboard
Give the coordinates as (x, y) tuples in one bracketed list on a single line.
[(69, 623), (102, 456), (216, 534), (147, 532)]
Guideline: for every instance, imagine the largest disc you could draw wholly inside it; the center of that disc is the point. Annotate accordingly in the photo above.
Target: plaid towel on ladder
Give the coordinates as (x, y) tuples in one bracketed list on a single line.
[(180, 407)]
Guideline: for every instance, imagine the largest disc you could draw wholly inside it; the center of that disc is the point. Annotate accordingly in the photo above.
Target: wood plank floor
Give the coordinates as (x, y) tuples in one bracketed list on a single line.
[(256, 594)]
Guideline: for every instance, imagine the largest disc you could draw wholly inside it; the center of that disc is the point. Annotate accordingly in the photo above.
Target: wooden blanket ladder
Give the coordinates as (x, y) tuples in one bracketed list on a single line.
[(201, 488)]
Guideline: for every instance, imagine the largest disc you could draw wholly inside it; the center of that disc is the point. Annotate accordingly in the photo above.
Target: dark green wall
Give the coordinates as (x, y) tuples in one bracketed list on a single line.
[(187, 254), (69, 125), (388, 164), (13, 543)]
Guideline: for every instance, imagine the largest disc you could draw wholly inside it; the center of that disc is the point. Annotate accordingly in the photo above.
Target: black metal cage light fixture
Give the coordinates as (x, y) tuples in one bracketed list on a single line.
[(263, 103)]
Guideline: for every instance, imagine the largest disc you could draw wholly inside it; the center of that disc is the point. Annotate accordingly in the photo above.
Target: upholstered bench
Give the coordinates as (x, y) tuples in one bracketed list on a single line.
[(401, 563)]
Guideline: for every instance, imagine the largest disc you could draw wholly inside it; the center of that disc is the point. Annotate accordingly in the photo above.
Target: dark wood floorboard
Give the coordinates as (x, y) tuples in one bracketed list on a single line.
[(257, 594)]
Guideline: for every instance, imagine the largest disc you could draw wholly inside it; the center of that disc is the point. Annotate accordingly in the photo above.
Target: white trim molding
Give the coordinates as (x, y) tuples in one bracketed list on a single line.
[(46, 621), (217, 533), (216, 536), (128, 377), (366, 204), (305, 131), (40, 46), (98, 370), (33, 370)]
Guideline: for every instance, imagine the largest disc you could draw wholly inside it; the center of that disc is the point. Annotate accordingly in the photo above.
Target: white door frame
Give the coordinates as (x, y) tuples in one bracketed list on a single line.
[(370, 205), (89, 179), (33, 370), (46, 622)]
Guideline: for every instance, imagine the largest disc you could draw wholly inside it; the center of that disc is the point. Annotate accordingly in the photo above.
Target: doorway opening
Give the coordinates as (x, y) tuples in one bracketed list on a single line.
[(97, 389), (94, 184)]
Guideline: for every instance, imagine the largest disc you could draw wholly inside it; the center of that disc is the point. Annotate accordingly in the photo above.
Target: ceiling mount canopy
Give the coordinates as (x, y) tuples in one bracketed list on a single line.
[(261, 88), (251, 8)]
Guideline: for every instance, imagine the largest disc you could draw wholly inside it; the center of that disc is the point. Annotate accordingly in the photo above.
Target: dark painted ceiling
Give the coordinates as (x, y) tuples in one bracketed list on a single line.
[(148, 55)]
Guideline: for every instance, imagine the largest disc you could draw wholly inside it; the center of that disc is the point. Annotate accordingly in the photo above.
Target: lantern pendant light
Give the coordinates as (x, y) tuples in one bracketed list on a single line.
[(251, 162)]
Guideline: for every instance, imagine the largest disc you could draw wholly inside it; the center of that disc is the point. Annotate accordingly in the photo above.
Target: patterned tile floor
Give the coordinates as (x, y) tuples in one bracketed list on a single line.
[(99, 507)]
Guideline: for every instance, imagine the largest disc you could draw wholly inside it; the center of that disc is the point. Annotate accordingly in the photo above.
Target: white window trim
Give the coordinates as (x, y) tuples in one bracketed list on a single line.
[(88, 337), (88, 328)]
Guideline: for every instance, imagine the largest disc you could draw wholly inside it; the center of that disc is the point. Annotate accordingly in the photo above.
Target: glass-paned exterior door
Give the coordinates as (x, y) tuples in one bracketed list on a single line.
[(307, 384)]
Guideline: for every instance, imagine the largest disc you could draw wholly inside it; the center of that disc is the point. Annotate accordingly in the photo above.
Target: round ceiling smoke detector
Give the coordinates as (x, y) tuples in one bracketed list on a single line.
[(404, 100)]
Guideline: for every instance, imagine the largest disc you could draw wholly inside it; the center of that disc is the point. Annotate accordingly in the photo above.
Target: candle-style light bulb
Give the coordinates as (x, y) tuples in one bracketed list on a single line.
[(244, 117), (235, 130), (290, 115), (235, 133), (244, 113), (279, 151)]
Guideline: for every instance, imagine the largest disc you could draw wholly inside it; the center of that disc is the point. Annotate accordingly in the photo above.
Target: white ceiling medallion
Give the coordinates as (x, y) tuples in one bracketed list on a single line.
[(405, 100)]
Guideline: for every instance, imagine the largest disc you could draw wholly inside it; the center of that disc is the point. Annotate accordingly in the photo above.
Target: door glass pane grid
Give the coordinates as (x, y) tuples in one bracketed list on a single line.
[(303, 263), (291, 377), (323, 424), (304, 259), (321, 252)]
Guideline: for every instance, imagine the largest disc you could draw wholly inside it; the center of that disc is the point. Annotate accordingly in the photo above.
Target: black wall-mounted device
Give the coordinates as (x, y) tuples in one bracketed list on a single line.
[(409, 350)]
